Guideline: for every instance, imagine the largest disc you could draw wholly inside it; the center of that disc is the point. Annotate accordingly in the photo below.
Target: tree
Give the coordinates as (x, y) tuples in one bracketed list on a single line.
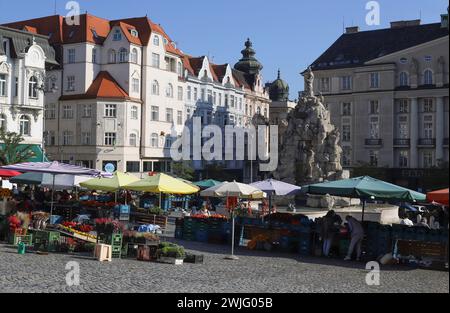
[(13, 152), (183, 170)]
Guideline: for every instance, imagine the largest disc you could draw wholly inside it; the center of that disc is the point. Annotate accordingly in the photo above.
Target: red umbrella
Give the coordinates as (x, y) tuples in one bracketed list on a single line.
[(9, 173), (439, 196)]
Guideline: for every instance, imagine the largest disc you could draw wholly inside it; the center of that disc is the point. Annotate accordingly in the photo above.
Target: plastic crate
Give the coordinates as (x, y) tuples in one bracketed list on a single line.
[(26, 239), (201, 236), (178, 233)]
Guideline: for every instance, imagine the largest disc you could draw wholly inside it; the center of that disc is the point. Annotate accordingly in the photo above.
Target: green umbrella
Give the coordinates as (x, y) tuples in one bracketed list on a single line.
[(208, 183), (364, 188)]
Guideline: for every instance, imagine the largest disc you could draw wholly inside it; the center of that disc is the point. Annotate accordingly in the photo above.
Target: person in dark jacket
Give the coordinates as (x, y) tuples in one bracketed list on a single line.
[(357, 235), (330, 227)]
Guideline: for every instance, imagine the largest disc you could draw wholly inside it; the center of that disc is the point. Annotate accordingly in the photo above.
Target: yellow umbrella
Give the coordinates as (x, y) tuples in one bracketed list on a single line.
[(118, 181), (163, 183)]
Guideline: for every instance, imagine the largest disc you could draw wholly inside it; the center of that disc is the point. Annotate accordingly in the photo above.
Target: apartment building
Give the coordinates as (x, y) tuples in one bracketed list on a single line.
[(24, 58), (125, 92), (387, 92)]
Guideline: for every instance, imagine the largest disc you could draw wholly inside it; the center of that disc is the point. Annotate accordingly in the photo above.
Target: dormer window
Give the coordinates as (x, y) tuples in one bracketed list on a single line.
[(156, 40), (94, 33), (165, 41), (134, 33), (117, 35)]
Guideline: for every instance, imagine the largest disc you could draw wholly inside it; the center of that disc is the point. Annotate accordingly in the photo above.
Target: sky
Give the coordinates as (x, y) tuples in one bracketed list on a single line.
[(286, 34)]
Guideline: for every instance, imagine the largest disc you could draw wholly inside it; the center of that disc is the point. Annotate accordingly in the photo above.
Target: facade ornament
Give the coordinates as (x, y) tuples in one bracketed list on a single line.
[(414, 66), (309, 81), (4, 68)]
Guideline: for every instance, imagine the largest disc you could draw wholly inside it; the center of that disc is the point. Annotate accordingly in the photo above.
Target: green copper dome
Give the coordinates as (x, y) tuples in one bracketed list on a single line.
[(248, 64), (279, 89)]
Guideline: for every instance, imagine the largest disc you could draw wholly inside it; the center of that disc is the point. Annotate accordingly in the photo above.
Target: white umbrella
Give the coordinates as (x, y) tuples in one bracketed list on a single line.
[(238, 190)]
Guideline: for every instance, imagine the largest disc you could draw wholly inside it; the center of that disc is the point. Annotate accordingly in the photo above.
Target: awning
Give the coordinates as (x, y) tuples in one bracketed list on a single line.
[(38, 153)]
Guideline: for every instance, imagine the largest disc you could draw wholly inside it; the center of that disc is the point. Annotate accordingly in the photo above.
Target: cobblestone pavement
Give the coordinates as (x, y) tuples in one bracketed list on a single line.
[(254, 272)]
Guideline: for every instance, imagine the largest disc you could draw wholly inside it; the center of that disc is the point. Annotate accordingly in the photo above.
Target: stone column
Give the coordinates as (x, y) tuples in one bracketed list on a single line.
[(439, 128), (414, 132)]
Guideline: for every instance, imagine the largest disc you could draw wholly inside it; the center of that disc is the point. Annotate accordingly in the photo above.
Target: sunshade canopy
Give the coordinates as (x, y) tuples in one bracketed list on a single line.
[(163, 183), (9, 173), (364, 187), (54, 168), (234, 189), (208, 183), (46, 180), (118, 181), (276, 188), (439, 196)]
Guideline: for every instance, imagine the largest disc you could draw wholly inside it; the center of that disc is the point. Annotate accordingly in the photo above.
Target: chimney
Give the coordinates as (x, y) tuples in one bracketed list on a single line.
[(400, 24), (352, 30)]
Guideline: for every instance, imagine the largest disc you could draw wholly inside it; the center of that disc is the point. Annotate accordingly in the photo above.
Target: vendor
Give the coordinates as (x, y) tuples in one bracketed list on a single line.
[(204, 210)]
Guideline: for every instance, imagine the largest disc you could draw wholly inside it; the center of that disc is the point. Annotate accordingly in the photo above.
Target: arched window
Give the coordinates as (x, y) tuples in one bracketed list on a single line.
[(169, 91), (123, 53), (111, 56), (155, 88), (3, 122), (154, 140), (134, 112), (134, 55), (24, 124), (168, 142), (428, 77), (265, 112), (258, 110), (32, 87), (180, 69), (133, 140), (156, 40), (404, 81)]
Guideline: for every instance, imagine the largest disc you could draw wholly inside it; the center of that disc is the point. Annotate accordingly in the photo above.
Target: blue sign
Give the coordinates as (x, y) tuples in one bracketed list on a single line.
[(110, 168)]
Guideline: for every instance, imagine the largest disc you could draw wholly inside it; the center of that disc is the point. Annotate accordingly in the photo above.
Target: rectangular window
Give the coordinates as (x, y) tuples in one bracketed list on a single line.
[(133, 167), (180, 93), (50, 111), (403, 127), (2, 85), (226, 101), (403, 158), (135, 85), (214, 98), (325, 84), (347, 156), (189, 92), (110, 139), (155, 60), (374, 128), (220, 99), (374, 107), (70, 83), (67, 112), (16, 89), (169, 115), (71, 56), (373, 158), (346, 133), (427, 159), (346, 83), (85, 138), (374, 80), (180, 117), (346, 109), (195, 94), (210, 97), (428, 106), (203, 95), (87, 110), (428, 127), (403, 106), (232, 101), (94, 56), (67, 138), (110, 110), (155, 113)]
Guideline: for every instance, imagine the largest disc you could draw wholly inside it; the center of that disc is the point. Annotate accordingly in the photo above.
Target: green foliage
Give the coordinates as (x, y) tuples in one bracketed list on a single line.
[(183, 170), (171, 250), (13, 153), (156, 211)]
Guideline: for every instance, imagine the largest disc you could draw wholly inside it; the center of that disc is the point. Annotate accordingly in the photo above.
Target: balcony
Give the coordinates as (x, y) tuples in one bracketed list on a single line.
[(445, 142), (374, 142), (427, 142), (402, 142)]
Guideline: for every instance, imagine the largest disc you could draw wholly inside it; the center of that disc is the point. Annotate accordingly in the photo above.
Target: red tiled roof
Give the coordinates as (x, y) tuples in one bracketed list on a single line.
[(104, 86), (50, 25), (30, 29), (126, 28), (220, 71)]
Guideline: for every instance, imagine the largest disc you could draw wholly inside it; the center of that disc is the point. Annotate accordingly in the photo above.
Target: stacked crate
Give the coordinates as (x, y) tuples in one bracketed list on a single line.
[(215, 233), (189, 228), (201, 231), (49, 239), (179, 228), (116, 243), (305, 240)]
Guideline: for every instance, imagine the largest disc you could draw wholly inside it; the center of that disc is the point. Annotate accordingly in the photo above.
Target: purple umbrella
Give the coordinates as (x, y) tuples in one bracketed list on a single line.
[(278, 188), (54, 168)]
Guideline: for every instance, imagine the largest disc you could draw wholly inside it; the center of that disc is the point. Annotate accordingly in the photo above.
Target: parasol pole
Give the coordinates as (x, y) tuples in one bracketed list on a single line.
[(232, 256), (363, 209), (51, 202)]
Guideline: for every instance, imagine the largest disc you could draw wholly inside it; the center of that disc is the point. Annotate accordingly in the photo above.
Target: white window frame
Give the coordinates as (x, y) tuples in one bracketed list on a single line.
[(71, 83), (135, 85), (428, 77), (67, 112), (374, 80), (110, 111), (32, 88), (3, 85), (123, 55), (154, 140), (110, 139), (133, 138), (154, 113), (71, 58), (156, 60)]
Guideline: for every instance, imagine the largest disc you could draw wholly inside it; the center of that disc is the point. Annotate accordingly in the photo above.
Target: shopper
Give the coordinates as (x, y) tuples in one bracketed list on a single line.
[(423, 223), (330, 227), (357, 234)]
